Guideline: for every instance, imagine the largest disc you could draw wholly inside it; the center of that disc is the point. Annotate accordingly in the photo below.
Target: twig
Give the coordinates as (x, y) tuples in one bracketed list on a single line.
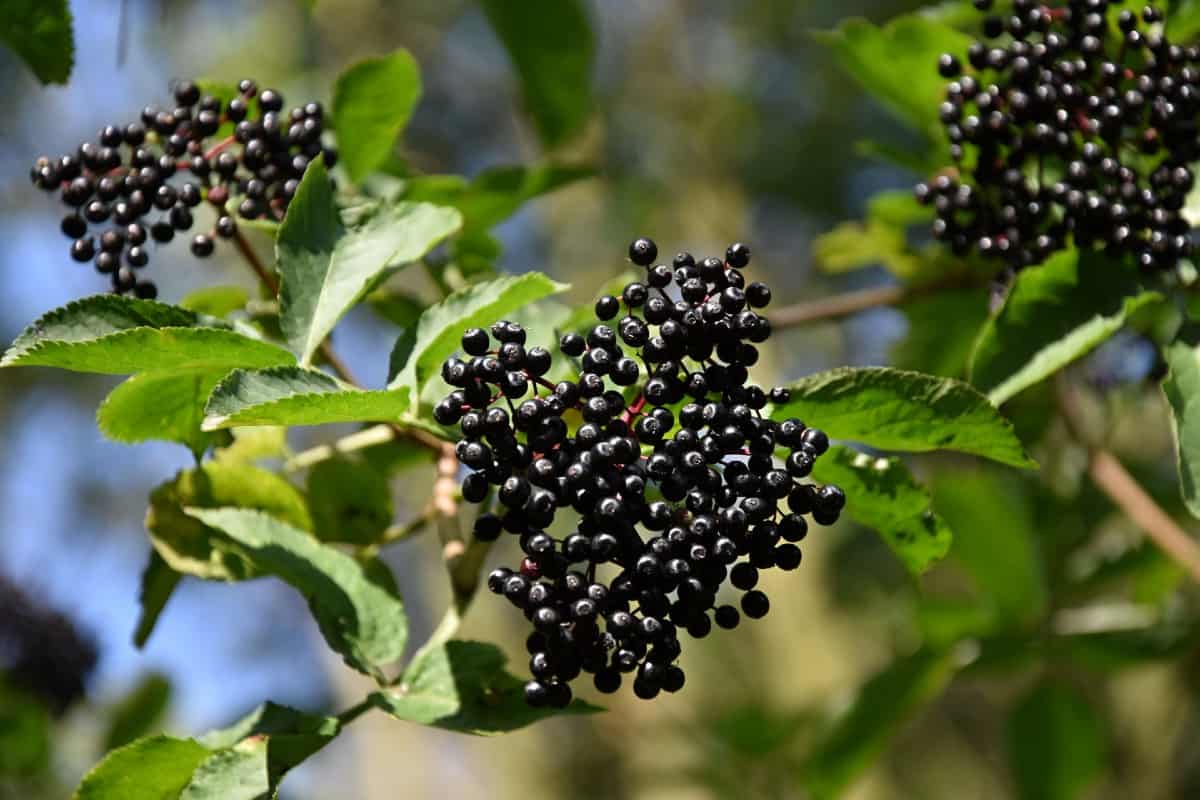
[(1127, 494), (839, 306), (359, 440), (397, 533)]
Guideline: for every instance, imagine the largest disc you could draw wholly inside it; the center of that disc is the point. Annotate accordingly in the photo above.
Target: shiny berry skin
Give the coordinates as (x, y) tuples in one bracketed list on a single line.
[(643, 252)]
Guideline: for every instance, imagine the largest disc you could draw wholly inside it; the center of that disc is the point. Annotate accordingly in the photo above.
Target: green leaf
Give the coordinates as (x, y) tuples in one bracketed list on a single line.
[(257, 751), (896, 64), (159, 405), (1183, 23), (463, 686), (942, 329), (253, 444), (439, 331), (372, 102), (326, 267), (861, 733), (1182, 389), (39, 31), (885, 497), (496, 193), (237, 773), (192, 548), (349, 502), (158, 582), (117, 335), (296, 396), (216, 301), (1056, 743), (155, 768), (355, 605), (138, 711), (551, 45), (996, 542), (856, 245), (893, 409), (1055, 313)]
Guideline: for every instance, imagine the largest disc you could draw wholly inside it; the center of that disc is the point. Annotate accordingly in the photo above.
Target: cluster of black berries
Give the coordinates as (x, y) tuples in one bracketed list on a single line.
[(661, 452), (143, 180), (1072, 123)]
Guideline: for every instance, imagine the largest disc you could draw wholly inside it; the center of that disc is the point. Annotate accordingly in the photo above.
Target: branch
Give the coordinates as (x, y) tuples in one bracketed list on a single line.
[(1127, 494), (839, 306)]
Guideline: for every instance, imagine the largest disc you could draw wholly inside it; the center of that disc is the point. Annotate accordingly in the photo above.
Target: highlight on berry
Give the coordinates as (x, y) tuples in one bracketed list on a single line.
[(1067, 124), (140, 183), (672, 490)]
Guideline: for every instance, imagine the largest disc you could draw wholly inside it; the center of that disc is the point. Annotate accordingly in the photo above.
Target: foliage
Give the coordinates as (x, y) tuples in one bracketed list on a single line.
[(965, 457)]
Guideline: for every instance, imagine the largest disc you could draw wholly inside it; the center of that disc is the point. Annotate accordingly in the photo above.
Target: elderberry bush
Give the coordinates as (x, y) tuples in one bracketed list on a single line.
[(141, 181), (1072, 122), (661, 458)]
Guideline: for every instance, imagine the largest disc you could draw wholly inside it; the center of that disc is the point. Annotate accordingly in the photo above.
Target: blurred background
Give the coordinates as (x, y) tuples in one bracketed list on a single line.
[(713, 122)]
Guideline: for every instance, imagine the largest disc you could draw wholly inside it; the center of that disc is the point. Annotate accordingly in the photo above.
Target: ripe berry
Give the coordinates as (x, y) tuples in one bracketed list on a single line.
[(124, 177), (643, 252), (679, 499)]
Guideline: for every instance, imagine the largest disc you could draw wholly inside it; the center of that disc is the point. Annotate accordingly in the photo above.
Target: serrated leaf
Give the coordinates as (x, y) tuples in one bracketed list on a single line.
[(39, 31), (216, 301), (1056, 312), (296, 396), (349, 502), (120, 335), (439, 331), (893, 409), (551, 45), (154, 768), (326, 267), (1181, 386), (885, 497), (257, 751), (463, 686), (1056, 743), (372, 102), (159, 405), (192, 548), (858, 735), (236, 773), (896, 64), (140, 710), (356, 605), (996, 542), (158, 582)]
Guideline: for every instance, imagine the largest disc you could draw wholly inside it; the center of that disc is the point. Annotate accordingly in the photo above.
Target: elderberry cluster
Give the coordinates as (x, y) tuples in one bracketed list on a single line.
[(142, 180), (1070, 122), (661, 453)]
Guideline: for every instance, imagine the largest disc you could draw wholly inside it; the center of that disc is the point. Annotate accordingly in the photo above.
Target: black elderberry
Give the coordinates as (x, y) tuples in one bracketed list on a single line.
[(1047, 141), (678, 502), (127, 179)]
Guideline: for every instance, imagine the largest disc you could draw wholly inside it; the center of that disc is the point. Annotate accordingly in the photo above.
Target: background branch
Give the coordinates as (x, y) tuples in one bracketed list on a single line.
[(1111, 477)]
